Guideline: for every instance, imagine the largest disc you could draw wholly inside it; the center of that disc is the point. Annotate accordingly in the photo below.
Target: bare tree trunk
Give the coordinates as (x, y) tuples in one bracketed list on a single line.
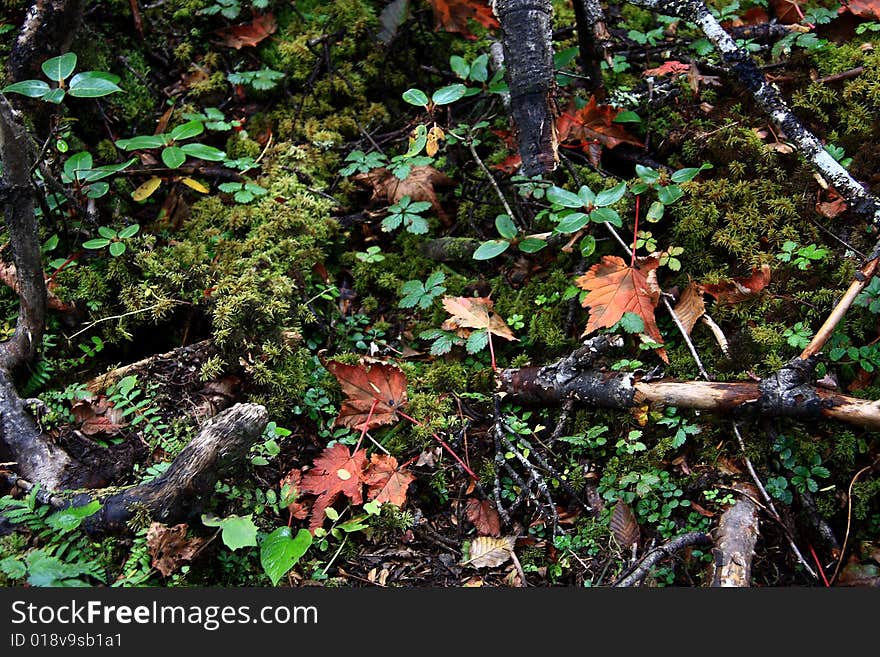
[(48, 31), (592, 35), (528, 55)]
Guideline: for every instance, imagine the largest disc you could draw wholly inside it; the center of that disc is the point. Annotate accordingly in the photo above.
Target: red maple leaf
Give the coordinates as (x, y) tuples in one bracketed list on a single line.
[(593, 122), (616, 288), (374, 390), (248, 34), (671, 67), (385, 481), (453, 15), (869, 9), (335, 472)]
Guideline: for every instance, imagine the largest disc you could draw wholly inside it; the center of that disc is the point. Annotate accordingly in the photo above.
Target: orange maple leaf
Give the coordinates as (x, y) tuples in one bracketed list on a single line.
[(671, 67), (297, 508), (453, 15), (248, 34), (616, 288), (374, 390), (869, 9), (593, 122), (385, 482), (335, 472), (740, 289), (483, 515), (474, 313)]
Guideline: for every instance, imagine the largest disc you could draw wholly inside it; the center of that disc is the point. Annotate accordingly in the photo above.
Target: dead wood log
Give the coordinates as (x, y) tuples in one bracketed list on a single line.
[(219, 449), (528, 55), (786, 393), (655, 556), (736, 535)]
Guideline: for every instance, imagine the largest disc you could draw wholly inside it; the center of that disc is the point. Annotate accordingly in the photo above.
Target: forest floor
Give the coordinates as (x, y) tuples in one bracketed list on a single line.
[(322, 212)]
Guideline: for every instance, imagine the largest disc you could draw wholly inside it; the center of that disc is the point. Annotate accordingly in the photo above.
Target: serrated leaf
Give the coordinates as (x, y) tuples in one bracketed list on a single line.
[(145, 190), (624, 525), (477, 341), (370, 385), (489, 551), (280, 551)]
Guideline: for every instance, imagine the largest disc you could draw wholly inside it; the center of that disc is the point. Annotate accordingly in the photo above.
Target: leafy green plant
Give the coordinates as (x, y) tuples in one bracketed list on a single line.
[(260, 80), (407, 213), (870, 297), (672, 420), (268, 448), (442, 341), (86, 84), (801, 256), (798, 336), (230, 8), (113, 239), (136, 406), (509, 236), (417, 293), (804, 476), (213, 118), (235, 531), (667, 187), (574, 211), (243, 192), (87, 179), (281, 550), (372, 255), (173, 154), (359, 162)]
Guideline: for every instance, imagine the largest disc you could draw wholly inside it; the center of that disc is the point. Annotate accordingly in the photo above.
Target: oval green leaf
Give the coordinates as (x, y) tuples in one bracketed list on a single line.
[(647, 174), (669, 194), (459, 66), (491, 249), (655, 212), (129, 231), (610, 196), (588, 245), (59, 68), (143, 141), (281, 551), (203, 152), (117, 249), (627, 116), (54, 96), (573, 222), (606, 216), (187, 130), (29, 88), (531, 245), (564, 198), (505, 226), (92, 87), (98, 243), (684, 175), (448, 94), (173, 157), (415, 97), (107, 232)]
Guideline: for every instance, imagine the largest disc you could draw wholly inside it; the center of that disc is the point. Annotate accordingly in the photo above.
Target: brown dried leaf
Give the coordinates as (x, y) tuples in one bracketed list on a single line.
[(419, 185), (869, 9), (98, 416), (690, 307), (593, 122), (736, 290), (490, 552), (335, 472), (624, 525), (169, 547), (370, 385), (475, 313), (830, 204), (248, 34), (9, 277), (453, 15), (385, 482), (483, 515)]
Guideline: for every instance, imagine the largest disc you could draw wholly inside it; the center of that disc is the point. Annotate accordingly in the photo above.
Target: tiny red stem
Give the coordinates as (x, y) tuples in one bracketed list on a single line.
[(635, 233), (366, 425), (819, 565), (63, 265), (442, 444), (492, 351)]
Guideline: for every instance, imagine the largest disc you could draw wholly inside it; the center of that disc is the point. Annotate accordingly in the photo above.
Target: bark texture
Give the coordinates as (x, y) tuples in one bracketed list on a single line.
[(47, 31), (736, 535), (528, 55)]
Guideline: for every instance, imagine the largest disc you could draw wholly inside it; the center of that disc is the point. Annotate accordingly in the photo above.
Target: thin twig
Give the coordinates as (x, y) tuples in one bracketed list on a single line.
[(848, 519), (687, 338), (494, 183)]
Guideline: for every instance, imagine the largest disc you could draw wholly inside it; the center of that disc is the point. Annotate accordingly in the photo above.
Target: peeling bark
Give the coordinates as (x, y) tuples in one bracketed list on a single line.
[(219, 449), (770, 100), (787, 393), (528, 55), (737, 533), (47, 31)]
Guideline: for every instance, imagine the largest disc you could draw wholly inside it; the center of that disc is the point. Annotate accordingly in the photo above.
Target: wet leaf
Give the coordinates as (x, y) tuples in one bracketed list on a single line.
[(385, 481), (475, 313), (420, 185), (144, 191), (490, 552), (369, 385), (280, 551), (483, 515), (169, 547), (736, 290), (335, 472), (453, 15), (624, 525), (248, 34), (593, 122)]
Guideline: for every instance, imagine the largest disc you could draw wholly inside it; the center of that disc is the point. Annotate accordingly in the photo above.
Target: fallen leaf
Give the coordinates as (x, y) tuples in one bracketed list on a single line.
[(419, 185), (335, 472), (9, 277), (616, 288), (475, 313), (489, 552), (509, 164), (830, 204), (370, 385), (98, 416), (859, 574), (593, 122), (453, 15), (248, 34), (297, 508), (671, 67), (385, 482), (484, 517), (169, 547), (736, 290), (435, 136), (787, 12), (690, 307), (624, 526), (869, 9)]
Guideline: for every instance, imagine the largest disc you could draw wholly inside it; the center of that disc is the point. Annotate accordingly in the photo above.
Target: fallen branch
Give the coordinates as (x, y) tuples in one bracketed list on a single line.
[(737, 533), (655, 556)]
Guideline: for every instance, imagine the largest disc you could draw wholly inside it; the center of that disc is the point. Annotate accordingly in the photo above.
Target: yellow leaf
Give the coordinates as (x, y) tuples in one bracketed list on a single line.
[(146, 190), (195, 184), (435, 135), (489, 552)]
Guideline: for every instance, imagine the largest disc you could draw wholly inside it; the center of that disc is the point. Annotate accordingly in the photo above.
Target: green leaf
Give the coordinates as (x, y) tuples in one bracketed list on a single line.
[(54, 96), (204, 152), (459, 66), (91, 86), (187, 130), (480, 68), (684, 175), (606, 216), (627, 116), (531, 245), (46, 570), (143, 141), (416, 225), (564, 197), (415, 97), (434, 280), (173, 156), (59, 68), (647, 174), (13, 568), (117, 249), (70, 518), (76, 165), (129, 231), (610, 196), (655, 212), (505, 226), (491, 249), (631, 323), (99, 75), (573, 222), (669, 194), (106, 231), (391, 222), (448, 94), (29, 88), (477, 341), (97, 173), (98, 243), (237, 531), (588, 245), (280, 551)]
